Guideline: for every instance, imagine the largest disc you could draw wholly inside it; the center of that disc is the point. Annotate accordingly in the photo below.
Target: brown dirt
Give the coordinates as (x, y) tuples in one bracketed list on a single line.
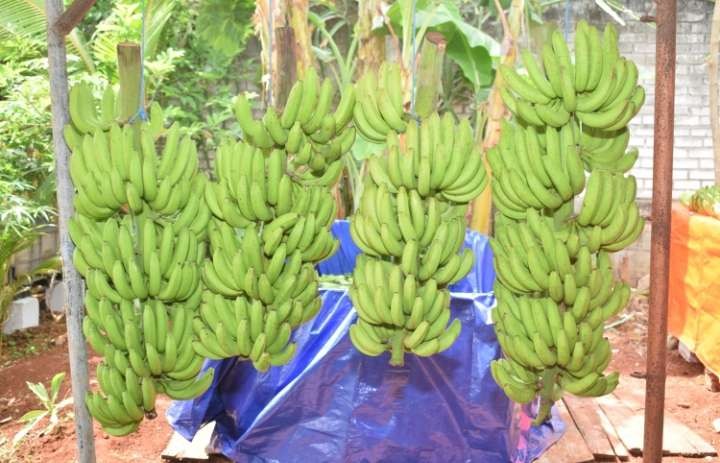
[(145, 445), (686, 397), (59, 447), (33, 341)]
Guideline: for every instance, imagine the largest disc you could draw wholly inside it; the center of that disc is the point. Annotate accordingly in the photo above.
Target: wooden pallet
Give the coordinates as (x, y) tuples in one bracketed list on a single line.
[(180, 449), (610, 428)]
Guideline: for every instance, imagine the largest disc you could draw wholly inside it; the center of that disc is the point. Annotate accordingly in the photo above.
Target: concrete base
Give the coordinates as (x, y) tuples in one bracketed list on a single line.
[(23, 313), (55, 297)]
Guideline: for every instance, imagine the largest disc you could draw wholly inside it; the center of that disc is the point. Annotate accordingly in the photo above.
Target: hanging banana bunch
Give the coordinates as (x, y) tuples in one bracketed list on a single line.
[(411, 226), (272, 207), (555, 286), (139, 233), (379, 109), (313, 136)]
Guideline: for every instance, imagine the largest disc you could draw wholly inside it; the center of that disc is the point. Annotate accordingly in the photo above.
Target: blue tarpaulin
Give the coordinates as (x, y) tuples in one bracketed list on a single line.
[(333, 404)]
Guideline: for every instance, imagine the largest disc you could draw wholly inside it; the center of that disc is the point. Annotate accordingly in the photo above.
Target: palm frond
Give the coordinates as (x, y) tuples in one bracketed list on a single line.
[(23, 17), (27, 18)]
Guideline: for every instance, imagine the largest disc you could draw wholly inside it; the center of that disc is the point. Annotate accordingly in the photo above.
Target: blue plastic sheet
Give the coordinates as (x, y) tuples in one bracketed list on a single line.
[(333, 404)]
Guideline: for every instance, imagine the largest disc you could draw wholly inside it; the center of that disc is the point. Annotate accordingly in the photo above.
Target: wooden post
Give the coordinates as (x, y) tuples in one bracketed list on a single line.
[(663, 142), (77, 350), (429, 79), (715, 87), (129, 70)]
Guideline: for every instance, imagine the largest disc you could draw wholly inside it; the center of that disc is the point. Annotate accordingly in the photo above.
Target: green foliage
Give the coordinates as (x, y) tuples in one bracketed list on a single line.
[(26, 18), (224, 26), (124, 24), (22, 17), (467, 46), (51, 407), (25, 155)]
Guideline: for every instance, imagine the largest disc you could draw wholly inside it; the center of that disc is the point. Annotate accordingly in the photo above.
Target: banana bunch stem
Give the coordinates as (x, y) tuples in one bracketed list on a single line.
[(555, 286)]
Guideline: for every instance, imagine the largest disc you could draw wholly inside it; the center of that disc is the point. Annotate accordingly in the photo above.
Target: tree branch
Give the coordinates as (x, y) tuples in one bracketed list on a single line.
[(72, 16)]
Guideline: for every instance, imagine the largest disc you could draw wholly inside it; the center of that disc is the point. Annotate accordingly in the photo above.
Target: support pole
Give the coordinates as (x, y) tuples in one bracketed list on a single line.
[(77, 350), (660, 239)]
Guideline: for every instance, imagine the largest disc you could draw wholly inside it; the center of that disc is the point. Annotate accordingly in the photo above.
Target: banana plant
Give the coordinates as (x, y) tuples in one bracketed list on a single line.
[(22, 219), (51, 407), (27, 18), (344, 64)]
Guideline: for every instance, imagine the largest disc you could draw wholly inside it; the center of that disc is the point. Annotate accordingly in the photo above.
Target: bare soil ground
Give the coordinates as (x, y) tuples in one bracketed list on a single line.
[(686, 397), (37, 355)]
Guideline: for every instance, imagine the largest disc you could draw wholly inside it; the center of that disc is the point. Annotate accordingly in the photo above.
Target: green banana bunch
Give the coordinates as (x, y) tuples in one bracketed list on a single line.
[(555, 286), (273, 208), (704, 201), (379, 109), (139, 231), (399, 312), (437, 158), (598, 88), (87, 114), (412, 214), (147, 349), (307, 128)]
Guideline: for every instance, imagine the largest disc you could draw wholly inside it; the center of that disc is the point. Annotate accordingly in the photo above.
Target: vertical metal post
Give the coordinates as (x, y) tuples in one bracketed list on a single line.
[(660, 239), (57, 68)]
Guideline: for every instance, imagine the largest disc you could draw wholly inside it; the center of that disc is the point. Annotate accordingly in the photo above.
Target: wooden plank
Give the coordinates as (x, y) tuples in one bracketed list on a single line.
[(630, 426), (585, 413), (179, 448), (571, 448), (620, 450), (633, 400)]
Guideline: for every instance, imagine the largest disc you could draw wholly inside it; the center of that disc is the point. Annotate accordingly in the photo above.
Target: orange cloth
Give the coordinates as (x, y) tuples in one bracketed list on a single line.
[(694, 292)]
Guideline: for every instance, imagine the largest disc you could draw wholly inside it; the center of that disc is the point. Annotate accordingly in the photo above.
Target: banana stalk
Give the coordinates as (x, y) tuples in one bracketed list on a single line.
[(494, 112)]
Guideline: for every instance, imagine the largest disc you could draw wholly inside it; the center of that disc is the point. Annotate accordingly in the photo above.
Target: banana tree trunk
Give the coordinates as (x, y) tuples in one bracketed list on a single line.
[(287, 49), (371, 49), (494, 112), (713, 84), (303, 35)]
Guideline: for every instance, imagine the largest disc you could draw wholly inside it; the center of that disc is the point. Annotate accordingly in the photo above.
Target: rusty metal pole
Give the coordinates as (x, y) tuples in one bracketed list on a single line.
[(660, 238)]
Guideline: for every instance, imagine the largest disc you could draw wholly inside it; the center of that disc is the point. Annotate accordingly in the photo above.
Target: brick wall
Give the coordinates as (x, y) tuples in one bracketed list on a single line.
[(693, 158)]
